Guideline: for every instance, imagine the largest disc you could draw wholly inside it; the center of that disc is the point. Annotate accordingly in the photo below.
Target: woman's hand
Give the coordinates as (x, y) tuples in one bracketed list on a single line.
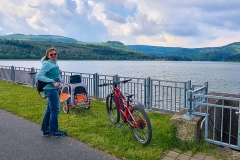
[(57, 84)]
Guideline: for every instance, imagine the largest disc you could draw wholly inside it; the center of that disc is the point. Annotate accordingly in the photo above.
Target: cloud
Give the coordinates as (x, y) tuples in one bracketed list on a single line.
[(115, 17), (157, 22)]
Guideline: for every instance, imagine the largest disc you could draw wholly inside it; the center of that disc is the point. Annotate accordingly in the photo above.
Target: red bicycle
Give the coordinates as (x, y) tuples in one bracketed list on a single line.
[(131, 110)]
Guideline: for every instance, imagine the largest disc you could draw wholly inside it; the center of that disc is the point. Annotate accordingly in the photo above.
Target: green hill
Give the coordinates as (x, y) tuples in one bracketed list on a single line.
[(111, 50), (50, 38), (229, 52), (20, 46)]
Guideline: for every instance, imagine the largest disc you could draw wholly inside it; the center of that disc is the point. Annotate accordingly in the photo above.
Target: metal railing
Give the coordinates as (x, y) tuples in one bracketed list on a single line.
[(155, 94), (221, 115), (196, 89), (221, 120)]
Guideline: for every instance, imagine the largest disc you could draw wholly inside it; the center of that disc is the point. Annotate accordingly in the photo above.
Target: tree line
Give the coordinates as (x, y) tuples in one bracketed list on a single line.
[(20, 49), (114, 50)]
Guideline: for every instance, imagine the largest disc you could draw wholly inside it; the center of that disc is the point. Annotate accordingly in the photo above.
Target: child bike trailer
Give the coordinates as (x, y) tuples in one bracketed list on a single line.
[(74, 95)]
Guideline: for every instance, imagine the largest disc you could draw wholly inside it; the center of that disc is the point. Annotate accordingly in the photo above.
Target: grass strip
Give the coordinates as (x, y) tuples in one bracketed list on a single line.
[(94, 128)]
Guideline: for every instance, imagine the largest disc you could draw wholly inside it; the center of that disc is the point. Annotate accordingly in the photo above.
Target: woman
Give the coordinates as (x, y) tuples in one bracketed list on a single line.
[(49, 72)]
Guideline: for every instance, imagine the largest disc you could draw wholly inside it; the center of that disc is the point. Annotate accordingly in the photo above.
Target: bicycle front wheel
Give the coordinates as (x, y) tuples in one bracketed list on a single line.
[(112, 109), (142, 131)]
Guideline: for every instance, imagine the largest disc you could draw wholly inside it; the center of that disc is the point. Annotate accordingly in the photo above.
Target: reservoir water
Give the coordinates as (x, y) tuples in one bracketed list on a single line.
[(222, 77)]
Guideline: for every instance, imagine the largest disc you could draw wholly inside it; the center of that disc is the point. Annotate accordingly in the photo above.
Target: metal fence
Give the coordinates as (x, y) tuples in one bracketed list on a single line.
[(155, 94), (221, 116)]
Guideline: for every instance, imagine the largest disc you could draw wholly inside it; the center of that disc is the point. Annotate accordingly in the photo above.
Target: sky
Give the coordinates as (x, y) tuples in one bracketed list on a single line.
[(167, 23)]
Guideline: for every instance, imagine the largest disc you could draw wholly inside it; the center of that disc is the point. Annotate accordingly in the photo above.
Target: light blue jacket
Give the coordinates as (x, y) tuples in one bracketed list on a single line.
[(49, 72)]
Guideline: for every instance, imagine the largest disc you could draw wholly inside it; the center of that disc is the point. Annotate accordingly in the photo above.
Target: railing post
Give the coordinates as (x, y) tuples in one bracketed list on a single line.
[(33, 77), (145, 92), (188, 114), (189, 87), (115, 78), (12, 74), (185, 95), (95, 85), (148, 93), (206, 93), (206, 86)]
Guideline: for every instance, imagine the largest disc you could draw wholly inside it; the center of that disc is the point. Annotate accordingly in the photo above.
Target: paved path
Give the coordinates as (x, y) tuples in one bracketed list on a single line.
[(21, 139), (172, 155), (227, 154)]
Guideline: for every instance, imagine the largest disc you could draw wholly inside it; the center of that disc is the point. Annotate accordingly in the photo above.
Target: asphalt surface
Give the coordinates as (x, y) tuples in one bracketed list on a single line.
[(21, 139)]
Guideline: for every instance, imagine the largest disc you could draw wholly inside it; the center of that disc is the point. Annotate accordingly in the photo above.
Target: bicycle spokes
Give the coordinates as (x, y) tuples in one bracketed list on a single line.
[(112, 110), (136, 120), (141, 128), (141, 124)]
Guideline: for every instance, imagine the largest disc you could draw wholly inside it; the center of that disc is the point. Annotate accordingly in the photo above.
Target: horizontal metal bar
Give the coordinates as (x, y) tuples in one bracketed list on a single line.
[(217, 97), (199, 89), (217, 105), (223, 144)]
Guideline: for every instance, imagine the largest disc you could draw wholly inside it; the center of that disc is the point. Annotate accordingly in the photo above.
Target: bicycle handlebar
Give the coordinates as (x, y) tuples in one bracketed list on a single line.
[(114, 83)]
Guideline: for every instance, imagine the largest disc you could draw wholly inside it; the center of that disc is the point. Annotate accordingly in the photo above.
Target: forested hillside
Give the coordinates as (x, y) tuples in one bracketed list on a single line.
[(21, 49), (20, 46), (229, 52), (49, 38)]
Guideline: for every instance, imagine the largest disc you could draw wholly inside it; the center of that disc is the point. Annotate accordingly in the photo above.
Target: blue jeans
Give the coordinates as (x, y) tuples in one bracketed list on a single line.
[(50, 119)]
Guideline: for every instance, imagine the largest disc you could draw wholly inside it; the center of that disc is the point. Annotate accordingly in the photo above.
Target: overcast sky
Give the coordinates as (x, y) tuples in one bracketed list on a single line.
[(169, 23)]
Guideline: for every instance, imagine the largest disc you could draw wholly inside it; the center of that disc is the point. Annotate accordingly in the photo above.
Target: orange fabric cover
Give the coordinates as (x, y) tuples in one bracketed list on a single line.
[(81, 98), (64, 96)]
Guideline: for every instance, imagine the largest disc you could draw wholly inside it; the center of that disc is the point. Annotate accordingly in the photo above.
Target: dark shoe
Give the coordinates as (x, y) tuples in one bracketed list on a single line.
[(45, 134), (59, 134)]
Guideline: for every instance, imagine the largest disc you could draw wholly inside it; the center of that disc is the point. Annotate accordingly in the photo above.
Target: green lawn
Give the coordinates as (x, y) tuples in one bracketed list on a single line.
[(94, 128)]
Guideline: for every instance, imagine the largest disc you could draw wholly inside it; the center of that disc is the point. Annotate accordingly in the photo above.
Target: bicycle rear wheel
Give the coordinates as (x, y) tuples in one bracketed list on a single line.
[(112, 109), (143, 131)]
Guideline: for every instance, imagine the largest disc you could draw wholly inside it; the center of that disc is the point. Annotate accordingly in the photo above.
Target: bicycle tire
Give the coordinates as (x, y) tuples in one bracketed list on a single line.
[(87, 106), (112, 109), (65, 107), (143, 133)]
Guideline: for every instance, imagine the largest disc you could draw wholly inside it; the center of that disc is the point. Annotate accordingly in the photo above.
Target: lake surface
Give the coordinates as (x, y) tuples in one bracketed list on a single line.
[(222, 77)]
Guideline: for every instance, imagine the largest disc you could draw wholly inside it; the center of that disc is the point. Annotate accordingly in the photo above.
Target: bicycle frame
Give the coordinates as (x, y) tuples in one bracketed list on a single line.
[(121, 106), (124, 107)]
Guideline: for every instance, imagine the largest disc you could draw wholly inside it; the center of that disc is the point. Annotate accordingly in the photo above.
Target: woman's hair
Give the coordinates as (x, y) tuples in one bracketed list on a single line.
[(47, 52)]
